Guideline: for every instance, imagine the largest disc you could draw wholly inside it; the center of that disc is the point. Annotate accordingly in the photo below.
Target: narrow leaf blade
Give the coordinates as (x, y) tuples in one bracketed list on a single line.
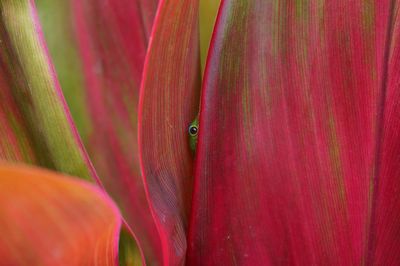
[(36, 125), (56, 19), (384, 240), (208, 10), (113, 38), (168, 103)]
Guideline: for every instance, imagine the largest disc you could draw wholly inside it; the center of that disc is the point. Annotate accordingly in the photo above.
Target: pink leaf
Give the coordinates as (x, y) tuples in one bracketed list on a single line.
[(293, 166), (168, 103), (113, 38)]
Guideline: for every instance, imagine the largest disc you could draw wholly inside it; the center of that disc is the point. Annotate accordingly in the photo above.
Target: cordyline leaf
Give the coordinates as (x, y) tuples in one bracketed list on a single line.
[(208, 10), (168, 103), (35, 124), (49, 219), (384, 238), (113, 38), (57, 24), (128, 251), (296, 161)]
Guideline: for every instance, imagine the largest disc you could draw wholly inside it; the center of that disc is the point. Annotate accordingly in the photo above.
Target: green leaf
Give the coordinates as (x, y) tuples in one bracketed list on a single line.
[(56, 19), (208, 12), (36, 125)]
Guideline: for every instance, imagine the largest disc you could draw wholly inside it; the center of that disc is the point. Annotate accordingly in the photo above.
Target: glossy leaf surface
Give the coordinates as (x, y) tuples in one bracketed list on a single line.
[(168, 103), (113, 38), (35, 124), (293, 166), (50, 219)]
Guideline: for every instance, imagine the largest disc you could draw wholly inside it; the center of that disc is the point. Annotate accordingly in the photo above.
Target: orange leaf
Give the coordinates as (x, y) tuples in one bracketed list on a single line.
[(50, 219)]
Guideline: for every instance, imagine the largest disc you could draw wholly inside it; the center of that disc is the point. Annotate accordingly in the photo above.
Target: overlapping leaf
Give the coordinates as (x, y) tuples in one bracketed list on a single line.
[(35, 123), (113, 38), (168, 103), (292, 164), (49, 219), (56, 20), (207, 15)]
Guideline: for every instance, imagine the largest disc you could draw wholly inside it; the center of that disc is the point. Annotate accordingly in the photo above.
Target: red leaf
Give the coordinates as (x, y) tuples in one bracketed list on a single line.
[(49, 219), (113, 38), (168, 103), (384, 244), (289, 130)]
